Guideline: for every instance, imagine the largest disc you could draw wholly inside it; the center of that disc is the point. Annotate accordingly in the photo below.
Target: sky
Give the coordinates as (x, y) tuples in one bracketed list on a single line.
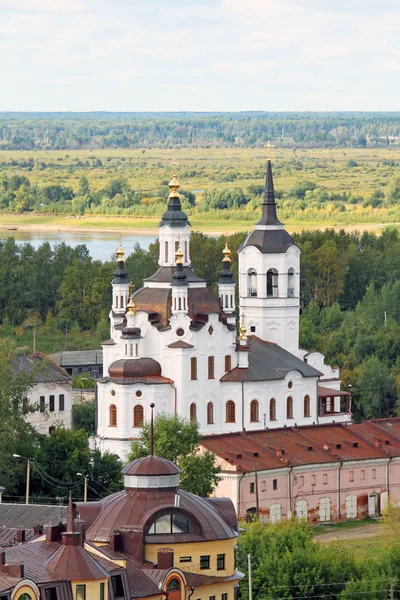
[(199, 55)]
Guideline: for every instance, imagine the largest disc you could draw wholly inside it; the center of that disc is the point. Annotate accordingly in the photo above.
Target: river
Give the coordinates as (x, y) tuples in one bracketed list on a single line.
[(101, 245)]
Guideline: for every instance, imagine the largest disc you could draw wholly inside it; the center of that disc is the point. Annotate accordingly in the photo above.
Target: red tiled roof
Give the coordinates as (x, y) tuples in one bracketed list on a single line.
[(276, 448)]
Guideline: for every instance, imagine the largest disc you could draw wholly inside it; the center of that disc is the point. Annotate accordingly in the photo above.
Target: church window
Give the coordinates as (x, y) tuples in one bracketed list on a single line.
[(290, 290), (173, 584), (176, 246), (290, 385), (274, 484), (272, 283), (228, 363), (116, 301), (252, 282), (301, 481), (230, 412), (112, 392), (193, 413), (174, 303), (313, 480), (210, 367), (210, 330), (264, 486), (351, 475), (307, 406), (373, 473), (272, 409), (126, 349), (252, 328), (231, 301), (186, 252), (139, 394), (226, 301), (179, 303), (122, 302), (166, 251), (180, 332), (138, 416), (210, 413), (113, 415), (52, 404), (289, 408), (61, 402), (254, 411), (131, 349), (193, 368)]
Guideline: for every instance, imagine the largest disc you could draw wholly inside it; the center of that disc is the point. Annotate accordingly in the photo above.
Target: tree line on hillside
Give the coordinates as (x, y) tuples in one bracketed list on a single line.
[(350, 292), (124, 130)]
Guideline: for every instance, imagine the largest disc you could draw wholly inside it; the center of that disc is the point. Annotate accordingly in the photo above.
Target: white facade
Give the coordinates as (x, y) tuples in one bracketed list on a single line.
[(175, 344), (53, 406)]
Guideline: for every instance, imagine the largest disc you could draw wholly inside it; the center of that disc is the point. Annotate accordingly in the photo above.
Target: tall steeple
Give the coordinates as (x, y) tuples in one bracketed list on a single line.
[(269, 276), (120, 285), (179, 285), (174, 228)]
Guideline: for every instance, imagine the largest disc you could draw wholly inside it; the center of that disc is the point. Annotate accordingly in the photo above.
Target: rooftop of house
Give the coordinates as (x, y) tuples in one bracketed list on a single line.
[(77, 358), (296, 446), (43, 369)]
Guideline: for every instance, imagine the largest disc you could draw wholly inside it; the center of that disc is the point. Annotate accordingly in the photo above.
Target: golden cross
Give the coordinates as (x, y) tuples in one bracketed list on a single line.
[(268, 146), (174, 164)]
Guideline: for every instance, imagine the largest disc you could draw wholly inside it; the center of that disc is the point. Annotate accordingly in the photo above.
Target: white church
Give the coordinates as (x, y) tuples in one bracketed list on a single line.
[(174, 343)]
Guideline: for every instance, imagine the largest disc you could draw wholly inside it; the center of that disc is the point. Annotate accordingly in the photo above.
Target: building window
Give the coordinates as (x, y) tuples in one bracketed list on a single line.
[(373, 473), (290, 283), (102, 590), (252, 488), (186, 252), (210, 413), (272, 283), (61, 402), (272, 409), (224, 596), (116, 301), (52, 403), (210, 367), (173, 584), (289, 408), (301, 481), (117, 586), (230, 412), (313, 480), (81, 592), (263, 486), (307, 406), (254, 411), (351, 475), (50, 594), (185, 559), (324, 479), (193, 368), (220, 562), (252, 282), (113, 415), (205, 562), (274, 484), (166, 251), (138, 416), (193, 413), (212, 598), (42, 404), (170, 523), (363, 475), (228, 363)]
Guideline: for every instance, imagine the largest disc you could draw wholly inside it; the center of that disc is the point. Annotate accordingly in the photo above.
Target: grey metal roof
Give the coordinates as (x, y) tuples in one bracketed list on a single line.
[(41, 367), (78, 358), (269, 241), (165, 275), (26, 516), (268, 361)]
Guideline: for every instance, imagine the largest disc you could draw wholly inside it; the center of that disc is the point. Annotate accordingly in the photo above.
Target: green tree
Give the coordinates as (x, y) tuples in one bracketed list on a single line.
[(178, 441), (84, 417)]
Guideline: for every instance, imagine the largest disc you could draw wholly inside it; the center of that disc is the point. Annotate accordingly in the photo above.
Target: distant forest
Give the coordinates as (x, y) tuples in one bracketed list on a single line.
[(59, 131)]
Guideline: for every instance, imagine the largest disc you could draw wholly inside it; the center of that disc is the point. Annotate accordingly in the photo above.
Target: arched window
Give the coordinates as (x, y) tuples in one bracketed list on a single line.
[(289, 408), (290, 283), (113, 415), (272, 409), (173, 584), (272, 282), (172, 522), (254, 412), (193, 413), (230, 412), (252, 282), (307, 406), (210, 413), (138, 416)]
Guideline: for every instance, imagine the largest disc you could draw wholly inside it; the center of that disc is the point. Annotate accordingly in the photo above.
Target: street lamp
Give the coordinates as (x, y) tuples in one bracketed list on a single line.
[(86, 486), (28, 474)]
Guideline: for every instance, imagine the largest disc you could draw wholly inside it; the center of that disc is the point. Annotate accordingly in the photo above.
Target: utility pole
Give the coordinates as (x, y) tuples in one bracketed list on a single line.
[(250, 579), (256, 485), (28, 477), (85, 488)]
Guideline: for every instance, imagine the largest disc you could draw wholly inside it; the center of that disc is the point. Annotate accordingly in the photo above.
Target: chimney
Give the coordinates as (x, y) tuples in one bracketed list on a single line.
[(132, 542), (2, 558), (21, 536), (38, 529), (53, 533), (165, 558), (80, 527), (17, 570), (115, 542)]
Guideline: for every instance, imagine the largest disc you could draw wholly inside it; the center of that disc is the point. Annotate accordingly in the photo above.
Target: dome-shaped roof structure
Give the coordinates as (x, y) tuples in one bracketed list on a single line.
[(131, 368), (131, 332), (151, 466)]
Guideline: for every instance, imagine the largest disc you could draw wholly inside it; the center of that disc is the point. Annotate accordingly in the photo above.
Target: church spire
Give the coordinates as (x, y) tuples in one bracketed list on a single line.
[(174, 216), (269, 216)]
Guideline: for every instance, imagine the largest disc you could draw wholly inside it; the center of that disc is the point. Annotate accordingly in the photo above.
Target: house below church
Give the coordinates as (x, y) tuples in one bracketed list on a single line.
[(320, 473)]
